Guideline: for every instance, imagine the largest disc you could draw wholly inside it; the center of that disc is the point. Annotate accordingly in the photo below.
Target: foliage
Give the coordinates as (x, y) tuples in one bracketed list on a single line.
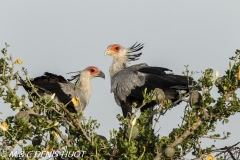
[(44, 126)]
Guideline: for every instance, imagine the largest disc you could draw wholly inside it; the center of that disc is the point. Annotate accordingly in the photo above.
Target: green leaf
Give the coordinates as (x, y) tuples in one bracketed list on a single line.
[(226, 121)]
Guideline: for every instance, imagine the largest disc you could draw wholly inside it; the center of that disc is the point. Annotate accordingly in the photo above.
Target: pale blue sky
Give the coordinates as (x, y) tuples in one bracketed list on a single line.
[(62, 36)]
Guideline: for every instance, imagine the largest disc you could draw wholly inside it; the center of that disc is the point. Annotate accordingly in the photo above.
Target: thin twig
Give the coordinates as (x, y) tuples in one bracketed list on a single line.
[(76, 123)]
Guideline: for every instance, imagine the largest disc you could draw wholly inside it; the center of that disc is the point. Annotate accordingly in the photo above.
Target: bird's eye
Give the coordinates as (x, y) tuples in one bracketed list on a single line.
[(116, 48), (92, 70)]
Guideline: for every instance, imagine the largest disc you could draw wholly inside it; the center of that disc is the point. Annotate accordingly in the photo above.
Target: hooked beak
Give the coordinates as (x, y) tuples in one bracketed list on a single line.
[(101, 74), (107, 52)]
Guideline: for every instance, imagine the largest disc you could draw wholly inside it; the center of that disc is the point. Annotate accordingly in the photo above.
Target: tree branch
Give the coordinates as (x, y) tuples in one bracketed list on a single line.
[(76, 123)]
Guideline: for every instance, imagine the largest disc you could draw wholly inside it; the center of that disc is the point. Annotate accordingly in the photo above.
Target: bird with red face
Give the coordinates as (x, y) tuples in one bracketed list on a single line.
[(64, 90), (129, 82)]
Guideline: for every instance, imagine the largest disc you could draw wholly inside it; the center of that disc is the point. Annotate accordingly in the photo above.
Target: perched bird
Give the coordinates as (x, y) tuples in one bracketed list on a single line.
[(64, 90), (128, 83)]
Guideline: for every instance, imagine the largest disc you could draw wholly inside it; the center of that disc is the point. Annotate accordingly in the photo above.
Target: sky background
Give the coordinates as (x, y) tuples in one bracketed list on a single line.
[(63, 36)]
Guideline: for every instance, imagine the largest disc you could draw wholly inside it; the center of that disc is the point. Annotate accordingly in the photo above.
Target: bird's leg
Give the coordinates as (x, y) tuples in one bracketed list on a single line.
[(126, 110)]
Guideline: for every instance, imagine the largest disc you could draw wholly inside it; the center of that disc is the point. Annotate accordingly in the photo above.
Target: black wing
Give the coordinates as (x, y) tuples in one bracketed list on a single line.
[(129, 83), (64, 90)]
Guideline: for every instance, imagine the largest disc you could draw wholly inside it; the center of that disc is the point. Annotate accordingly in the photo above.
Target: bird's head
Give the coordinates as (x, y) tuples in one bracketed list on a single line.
[(118, 51), (115, 50), (89, 73), (94, 72)]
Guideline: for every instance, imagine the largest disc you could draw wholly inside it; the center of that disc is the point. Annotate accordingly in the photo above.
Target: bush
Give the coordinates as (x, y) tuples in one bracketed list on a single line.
[(45, 127)]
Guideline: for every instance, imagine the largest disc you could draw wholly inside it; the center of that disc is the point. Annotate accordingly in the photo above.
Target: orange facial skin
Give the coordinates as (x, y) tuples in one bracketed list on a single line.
[(93, 70), (114, 49)]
